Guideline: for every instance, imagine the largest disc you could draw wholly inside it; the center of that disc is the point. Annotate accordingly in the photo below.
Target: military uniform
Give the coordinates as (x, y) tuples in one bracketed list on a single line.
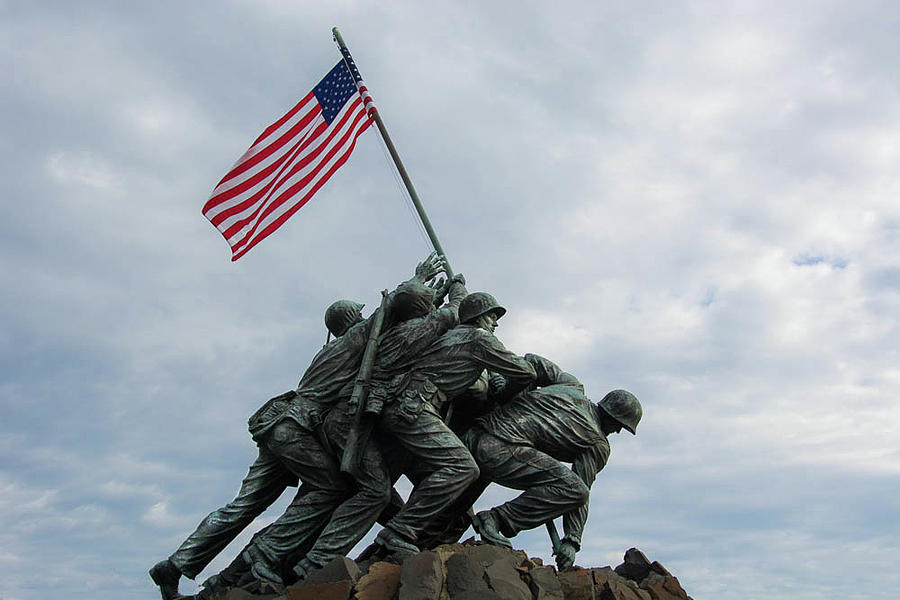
[(337, 513), (523, 443), (440, 466), (288, 431), (264, 483)]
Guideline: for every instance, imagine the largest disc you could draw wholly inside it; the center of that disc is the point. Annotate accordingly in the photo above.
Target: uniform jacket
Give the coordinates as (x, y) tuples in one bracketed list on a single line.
[(559, 420)]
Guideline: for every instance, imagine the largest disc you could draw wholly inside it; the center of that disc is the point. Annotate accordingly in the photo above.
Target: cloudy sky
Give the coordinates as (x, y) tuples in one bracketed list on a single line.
[(694, 201)]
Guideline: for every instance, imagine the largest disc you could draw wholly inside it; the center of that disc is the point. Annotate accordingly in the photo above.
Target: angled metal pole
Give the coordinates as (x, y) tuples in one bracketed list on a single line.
[(554, 535), (373, 113)]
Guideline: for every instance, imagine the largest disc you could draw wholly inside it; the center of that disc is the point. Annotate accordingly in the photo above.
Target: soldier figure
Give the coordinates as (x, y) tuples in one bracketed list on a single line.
[(422, 379), (523, 443), (335, 365), (358, 506)]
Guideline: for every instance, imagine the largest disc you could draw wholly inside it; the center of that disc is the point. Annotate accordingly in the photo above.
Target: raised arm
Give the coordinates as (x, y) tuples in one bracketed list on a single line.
[(428, 269)]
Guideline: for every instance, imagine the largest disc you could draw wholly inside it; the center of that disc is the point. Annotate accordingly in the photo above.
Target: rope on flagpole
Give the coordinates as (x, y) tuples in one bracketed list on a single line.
[(405, 200), (374, 114)]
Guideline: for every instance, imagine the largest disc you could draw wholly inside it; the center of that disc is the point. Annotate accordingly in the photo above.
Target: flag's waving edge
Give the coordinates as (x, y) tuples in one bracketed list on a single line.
[(289, 162)]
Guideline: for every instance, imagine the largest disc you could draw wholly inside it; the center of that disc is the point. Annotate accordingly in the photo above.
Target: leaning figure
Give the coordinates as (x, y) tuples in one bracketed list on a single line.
[(523, 444), (287, 430)]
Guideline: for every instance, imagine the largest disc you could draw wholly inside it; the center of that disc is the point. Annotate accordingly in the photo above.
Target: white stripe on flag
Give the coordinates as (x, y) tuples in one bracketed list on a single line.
[(286, 147), (338, 127), (289, 148), (287, 164), (260, 221)]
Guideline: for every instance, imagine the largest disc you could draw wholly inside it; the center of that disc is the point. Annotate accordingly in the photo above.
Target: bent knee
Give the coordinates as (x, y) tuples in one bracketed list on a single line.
[(380, 495), (463, 469), (476, 471), (471, 470), (579, 492)]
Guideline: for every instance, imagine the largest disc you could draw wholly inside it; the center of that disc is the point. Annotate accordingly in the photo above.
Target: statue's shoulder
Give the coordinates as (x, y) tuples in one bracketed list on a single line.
[(465, 334)]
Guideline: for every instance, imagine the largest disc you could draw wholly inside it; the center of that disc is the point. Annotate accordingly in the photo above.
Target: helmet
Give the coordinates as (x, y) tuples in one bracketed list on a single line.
[(341, 315), (412, 299), (476, 304), (622, 406)]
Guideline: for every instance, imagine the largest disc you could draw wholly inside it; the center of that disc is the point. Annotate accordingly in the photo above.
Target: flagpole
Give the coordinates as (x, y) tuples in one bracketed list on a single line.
[(374, 114)]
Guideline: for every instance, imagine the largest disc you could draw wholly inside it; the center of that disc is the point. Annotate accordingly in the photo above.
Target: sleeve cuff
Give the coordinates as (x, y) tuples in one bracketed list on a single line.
[(574, 541)]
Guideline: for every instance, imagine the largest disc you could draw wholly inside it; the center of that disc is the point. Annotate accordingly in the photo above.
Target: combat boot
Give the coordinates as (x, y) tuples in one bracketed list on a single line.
[(372, 551), (166, 575), (304, 567), (391, 541), (260, 567), (486, 524)]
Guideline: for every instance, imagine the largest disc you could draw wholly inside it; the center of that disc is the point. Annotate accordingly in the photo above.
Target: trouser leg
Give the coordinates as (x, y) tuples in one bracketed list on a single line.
[(452, 523), (395, 503), (442, 466), (265, 481), (324, 488), (357, 514), (550, 488), (399, 462)]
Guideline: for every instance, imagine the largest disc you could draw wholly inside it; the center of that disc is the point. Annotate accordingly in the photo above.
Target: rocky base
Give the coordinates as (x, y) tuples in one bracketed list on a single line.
[(475, 571)]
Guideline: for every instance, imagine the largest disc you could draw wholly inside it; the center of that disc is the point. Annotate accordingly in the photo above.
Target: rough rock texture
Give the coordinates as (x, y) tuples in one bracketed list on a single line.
[(380, 582), (334, 581), (464, 576), (544, 584), (421, 577), (239, 594), (504, 578), (476, 571)]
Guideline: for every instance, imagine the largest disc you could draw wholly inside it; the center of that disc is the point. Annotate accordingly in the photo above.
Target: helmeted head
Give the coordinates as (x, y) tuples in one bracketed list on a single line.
[(412, 299), (477, 304), (342, 315), (622, 406)]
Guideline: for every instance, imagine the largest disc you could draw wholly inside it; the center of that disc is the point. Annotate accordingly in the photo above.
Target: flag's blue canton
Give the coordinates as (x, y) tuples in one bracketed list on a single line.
[(334, 90), (349, 60)]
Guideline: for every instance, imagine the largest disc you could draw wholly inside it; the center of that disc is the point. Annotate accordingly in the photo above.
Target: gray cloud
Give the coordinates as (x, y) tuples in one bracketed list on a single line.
[(694, 202)]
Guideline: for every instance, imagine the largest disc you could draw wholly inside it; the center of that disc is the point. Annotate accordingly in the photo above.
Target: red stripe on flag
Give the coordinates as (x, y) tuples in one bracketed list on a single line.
[(248, 163), (219, 197), (287, 116), (290, 212), (268, 176), (265, 209), (310, 182), (287, 164), (282, 164), (235, 228), (262, 195)]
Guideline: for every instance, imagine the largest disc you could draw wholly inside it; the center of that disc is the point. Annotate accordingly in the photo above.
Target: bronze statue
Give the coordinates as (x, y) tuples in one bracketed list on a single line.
[(453, 409), (298, 415), (523, 444), (418, 382), (360, 501)]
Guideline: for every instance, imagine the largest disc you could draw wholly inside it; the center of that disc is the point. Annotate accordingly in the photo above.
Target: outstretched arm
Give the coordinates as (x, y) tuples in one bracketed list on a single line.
[(517, 371), (546, 371), (549, 373), (586, 466)]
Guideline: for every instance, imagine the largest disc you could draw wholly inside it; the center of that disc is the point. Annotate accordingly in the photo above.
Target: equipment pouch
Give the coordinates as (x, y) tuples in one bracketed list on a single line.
[(410, 406), (430, 393), (269, 414), (378, 397)]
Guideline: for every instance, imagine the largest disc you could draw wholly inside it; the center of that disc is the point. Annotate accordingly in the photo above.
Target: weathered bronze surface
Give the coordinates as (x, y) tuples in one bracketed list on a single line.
[(424, 389)]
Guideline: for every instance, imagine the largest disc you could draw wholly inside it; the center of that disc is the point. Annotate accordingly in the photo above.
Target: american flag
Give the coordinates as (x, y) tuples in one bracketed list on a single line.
[(290, 161)]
